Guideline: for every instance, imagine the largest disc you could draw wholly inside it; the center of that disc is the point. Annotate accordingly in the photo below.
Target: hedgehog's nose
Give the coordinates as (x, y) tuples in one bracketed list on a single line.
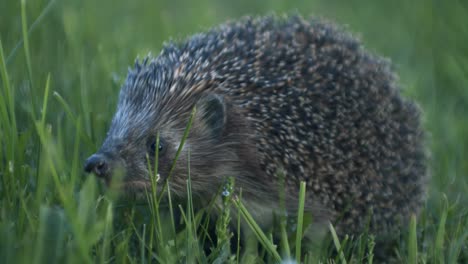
[(97, 164)]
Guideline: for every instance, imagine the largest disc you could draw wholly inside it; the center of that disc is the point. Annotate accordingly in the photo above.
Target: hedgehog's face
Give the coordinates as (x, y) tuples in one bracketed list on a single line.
[(131, 146)]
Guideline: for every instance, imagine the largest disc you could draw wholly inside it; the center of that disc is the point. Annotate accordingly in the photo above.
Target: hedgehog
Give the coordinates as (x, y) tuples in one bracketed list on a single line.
[(279, 101)]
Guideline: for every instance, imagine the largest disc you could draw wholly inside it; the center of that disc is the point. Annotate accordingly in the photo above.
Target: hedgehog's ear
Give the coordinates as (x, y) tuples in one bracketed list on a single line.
[(212, 113)]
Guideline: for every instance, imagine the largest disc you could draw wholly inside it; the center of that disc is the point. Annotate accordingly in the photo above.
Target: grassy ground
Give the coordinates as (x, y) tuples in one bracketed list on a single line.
[(62, 63)]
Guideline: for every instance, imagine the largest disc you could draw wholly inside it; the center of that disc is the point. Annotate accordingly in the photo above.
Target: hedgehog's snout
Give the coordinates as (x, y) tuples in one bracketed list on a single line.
[(97, 164)]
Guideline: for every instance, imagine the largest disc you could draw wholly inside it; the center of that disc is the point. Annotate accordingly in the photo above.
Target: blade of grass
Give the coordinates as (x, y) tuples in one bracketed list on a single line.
[(283, 216), (76, 164), (209, 209), (24, 27), (223, 244), (151, 239), (107, 234), (238, 230), (192, 235), (154, 205), (188, 250), (68, 206), (412, 242), (46, 100), (28, 57), (9, 94), (337, 243), (300, 220), (371, 246), (179, 150), (41, 182), (6, 100), (7, 109), (262, 238), (143, 244), (171, 212), (439, 242), (33, 26), (457, 247), (73, 118), (152, 199)]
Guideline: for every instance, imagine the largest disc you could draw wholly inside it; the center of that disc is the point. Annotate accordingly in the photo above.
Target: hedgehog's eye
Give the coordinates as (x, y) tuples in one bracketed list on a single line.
[(153, 147)]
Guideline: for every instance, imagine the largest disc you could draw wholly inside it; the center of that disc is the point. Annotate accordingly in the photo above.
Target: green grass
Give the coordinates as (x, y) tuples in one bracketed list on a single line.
[(62, 63)]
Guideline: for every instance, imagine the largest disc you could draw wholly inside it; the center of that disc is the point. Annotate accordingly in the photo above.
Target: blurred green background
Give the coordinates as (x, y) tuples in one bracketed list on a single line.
[(86, 47)]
